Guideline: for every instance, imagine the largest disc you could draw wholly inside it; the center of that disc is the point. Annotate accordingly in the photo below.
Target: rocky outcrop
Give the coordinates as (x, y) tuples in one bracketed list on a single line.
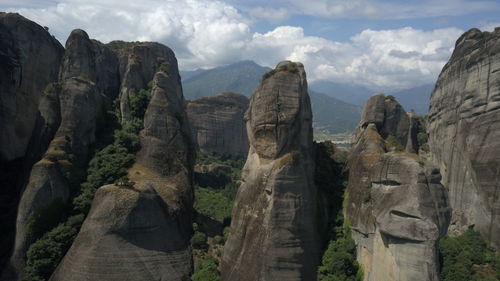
[(464, 131), (274, 233), (140, 230), (138, 63), (29, 60), (389, 117), (75, 106), (217, 124), (396, 206)]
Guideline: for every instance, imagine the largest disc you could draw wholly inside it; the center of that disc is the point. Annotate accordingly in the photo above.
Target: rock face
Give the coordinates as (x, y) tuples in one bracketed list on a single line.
[(29, 60), (75, 107), (139, 62), (273, 229), (396, 206), (217, 124), (464, 131), (141, 230)]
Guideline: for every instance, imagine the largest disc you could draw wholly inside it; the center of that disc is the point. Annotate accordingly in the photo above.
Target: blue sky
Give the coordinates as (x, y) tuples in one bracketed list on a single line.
[(385, 45)]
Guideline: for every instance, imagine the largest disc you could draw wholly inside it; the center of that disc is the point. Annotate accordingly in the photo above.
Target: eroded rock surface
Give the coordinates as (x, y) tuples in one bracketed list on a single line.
[(138, 63), (75, 106), (217, 124), (396, 206), (464, 129), (29, 61), (141, 230), (274, 234)]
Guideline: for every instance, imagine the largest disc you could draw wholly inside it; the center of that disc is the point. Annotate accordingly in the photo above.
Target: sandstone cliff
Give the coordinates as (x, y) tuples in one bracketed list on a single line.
[(138, 63), (140, 230), (464, 132), (395, 203), (76, 107), (29, 60), (274, 234), (217, 124)]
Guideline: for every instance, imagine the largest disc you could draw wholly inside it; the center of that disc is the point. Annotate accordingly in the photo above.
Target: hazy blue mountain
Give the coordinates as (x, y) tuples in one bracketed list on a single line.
[(415, 98), (330, 114), (352, 94), (333, 115), (241, 77)]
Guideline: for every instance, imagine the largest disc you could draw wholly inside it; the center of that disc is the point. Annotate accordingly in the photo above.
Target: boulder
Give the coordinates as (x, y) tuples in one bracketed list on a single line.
[(274, 234), (464, 132)]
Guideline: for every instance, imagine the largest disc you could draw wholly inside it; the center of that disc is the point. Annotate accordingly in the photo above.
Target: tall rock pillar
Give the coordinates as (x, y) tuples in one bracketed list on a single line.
[(274, 222)]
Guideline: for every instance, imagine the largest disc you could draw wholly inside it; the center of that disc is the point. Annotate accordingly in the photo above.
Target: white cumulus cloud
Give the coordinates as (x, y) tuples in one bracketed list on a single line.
[(206, 34)]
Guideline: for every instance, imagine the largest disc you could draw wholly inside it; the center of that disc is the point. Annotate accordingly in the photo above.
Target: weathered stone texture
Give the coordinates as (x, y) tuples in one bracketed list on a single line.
[(217, 124), (464, 128), (141, 230), (29, 61), (274, 234), (396, 206)]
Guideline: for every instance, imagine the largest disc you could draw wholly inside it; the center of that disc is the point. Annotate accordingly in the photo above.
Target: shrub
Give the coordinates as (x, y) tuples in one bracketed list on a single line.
[(46, 218), (138, 103), (107, 166), (45, 254), (207, 272), (269, 74), (164, 67), (390, 97), (199, 240), (212, 204), (393, 143), (463, 257), (339, 260)]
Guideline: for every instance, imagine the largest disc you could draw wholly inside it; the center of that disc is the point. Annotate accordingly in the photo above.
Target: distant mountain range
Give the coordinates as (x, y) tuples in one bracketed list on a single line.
[(336, 107), (241, 77), (330, 115), (416, 99)]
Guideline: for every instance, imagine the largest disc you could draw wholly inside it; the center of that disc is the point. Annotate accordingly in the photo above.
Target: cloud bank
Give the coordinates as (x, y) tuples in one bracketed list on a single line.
[(207, 34)]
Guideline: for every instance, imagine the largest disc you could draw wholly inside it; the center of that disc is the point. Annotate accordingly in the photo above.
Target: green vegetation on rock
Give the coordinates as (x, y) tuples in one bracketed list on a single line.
[(57, 225), (212, 203), (423, 136), (339, 259), (468, 257), (208, 271)]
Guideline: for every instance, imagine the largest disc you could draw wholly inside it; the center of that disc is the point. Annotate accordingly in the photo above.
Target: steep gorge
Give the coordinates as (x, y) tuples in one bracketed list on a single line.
[(97, 148)]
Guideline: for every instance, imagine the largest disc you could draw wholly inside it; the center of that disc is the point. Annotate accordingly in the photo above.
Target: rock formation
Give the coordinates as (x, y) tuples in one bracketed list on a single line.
[(396, 206), (217, 124), (141, 230), (29, 60), (464, 132), (139, 62), (75, 106), (64, 100), (274, 233)]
